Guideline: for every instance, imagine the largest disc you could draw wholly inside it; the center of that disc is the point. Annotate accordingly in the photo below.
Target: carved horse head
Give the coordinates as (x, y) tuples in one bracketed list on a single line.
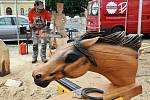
[(117, 63)]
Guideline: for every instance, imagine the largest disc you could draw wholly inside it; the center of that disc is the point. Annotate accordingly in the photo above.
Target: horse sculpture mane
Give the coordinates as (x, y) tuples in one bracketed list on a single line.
[(119, 38), (114, 56)]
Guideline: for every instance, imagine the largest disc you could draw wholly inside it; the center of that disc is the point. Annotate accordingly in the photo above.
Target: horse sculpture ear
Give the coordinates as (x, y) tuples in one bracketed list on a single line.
[(89, 42)]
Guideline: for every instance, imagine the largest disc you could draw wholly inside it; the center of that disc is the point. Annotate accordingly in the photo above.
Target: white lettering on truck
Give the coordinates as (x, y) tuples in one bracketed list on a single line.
[(123, 7)]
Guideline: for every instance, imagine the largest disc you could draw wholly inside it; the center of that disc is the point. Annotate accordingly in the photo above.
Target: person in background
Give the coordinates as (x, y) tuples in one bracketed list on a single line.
[(39, 20)]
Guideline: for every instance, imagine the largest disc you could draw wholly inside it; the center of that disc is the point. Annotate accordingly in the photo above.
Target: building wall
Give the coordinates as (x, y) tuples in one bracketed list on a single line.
[(26, 5)]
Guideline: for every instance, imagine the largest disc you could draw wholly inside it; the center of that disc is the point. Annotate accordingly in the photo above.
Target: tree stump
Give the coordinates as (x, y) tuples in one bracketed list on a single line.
[(4, 59)]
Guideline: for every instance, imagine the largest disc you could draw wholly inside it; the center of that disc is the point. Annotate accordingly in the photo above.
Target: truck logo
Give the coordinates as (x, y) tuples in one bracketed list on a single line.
[(111, 7)]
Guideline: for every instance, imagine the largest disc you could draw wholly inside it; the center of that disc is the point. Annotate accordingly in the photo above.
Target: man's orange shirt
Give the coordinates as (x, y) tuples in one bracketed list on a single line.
[(45, 16)]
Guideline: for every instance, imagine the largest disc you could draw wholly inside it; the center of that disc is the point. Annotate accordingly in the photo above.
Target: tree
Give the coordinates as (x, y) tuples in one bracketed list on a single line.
[(71, 7)]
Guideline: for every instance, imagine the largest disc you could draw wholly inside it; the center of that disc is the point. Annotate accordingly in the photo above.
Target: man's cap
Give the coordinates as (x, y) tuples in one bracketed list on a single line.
[(39, 5), (38, 1)]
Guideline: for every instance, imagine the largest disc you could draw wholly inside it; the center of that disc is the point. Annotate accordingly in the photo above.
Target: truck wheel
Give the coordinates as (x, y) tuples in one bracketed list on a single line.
[(117, 29)]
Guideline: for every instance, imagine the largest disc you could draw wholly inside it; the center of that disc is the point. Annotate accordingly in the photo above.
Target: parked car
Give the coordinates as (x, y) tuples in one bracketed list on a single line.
[(8, 27)]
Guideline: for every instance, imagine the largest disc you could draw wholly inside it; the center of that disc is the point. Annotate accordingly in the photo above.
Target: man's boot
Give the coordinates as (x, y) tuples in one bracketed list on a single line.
[(44, 60), (34, 60)]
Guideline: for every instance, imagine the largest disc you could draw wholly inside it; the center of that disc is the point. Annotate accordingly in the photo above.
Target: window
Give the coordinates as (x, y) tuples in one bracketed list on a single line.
[(2, 21), (22, 11), (22, 21), (8, 11), (95, 8), (5, 21), (8, 21)]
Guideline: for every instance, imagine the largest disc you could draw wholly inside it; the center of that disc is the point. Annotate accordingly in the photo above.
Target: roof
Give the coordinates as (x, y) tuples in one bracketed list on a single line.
[(13, 16)]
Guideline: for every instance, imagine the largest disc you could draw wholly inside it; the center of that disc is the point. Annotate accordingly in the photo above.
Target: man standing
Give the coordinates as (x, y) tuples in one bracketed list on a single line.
[(39, 20)]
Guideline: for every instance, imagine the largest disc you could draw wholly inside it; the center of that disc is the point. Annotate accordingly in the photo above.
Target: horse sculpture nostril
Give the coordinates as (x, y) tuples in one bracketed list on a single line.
[(38, 76)]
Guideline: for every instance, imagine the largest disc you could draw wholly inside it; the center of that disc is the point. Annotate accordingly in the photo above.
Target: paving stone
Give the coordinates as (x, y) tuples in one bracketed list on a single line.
[(13, 83)]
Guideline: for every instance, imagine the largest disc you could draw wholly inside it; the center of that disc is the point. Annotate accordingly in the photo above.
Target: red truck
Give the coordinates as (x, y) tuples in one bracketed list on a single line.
[(117, 15)]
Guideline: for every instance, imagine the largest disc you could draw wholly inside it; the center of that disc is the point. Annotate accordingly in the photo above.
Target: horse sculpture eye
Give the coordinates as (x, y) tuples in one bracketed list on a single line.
[(72, 57), (51, 74)]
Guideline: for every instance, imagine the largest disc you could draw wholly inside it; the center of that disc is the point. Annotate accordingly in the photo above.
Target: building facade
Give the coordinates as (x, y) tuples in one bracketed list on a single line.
[(8, 7)]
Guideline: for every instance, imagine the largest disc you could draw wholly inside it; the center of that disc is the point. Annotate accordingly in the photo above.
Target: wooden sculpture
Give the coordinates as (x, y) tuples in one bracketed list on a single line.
[(59, 20), (114, 56), (4, 59)]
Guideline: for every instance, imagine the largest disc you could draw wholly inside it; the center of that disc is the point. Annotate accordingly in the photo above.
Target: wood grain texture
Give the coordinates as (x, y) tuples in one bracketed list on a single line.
[(4, 59), (110, 92)]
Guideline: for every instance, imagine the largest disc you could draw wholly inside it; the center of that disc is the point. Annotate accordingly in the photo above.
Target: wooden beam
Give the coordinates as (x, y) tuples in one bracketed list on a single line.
[(111, 92)]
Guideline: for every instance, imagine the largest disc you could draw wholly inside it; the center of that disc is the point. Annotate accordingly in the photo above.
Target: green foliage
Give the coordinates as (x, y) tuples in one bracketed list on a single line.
[(71, 7)]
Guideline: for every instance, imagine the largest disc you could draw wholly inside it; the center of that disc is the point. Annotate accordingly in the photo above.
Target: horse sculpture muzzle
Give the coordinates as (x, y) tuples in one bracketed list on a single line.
[(39, 82)]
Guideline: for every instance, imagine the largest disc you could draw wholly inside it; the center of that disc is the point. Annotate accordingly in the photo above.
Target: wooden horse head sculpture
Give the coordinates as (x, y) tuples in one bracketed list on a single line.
[(117, 63)]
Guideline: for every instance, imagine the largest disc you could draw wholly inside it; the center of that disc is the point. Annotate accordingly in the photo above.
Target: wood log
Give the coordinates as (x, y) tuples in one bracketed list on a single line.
[(4, 59)]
